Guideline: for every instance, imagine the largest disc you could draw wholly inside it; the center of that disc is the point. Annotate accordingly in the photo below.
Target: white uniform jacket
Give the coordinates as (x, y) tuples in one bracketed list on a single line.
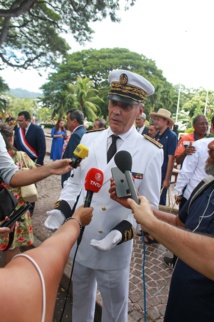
[(193, 168), (147, 159)]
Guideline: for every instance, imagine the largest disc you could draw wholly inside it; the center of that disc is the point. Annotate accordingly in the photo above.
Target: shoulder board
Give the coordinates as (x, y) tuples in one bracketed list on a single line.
[(159, 145), (97, 130)]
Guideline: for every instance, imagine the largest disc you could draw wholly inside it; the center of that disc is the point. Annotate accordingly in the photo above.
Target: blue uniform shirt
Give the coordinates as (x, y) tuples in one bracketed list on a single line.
[(191, 293)]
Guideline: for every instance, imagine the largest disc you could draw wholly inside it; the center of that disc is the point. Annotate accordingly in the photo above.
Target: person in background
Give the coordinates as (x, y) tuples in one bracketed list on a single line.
[(58, 133), (140, 123), (65, 143), (75, 124), (191, 293), (30, 138), (185, 147), (9, 118), (148, 239), (94, 268), (23, 235), (191, 173), (168, 139), (152, 131), (99, 123)]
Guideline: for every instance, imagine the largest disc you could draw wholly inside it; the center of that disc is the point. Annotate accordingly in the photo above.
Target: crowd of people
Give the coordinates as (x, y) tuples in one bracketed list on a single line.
[(104, 253)]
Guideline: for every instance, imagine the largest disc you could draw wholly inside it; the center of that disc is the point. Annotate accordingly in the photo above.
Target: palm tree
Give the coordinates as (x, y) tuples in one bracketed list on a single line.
[(60, 103), (84, 97)]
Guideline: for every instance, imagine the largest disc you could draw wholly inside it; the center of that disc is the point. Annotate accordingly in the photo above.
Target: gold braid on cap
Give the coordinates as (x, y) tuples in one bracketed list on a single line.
[(126, 90)]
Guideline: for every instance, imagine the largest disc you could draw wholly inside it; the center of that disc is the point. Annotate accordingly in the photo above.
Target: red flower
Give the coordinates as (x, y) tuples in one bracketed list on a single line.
[(21, 239)]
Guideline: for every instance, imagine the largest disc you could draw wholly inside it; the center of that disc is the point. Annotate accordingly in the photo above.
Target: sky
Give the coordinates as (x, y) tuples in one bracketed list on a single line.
[(177, 35)]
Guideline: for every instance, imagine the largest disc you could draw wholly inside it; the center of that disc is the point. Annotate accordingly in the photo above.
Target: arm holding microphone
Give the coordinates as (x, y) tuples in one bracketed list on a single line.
[(93, 183), (63, 209), (20, 274)]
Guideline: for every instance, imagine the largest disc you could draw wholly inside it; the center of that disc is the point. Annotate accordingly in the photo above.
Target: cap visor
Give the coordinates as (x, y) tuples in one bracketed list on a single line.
[(122, 99)]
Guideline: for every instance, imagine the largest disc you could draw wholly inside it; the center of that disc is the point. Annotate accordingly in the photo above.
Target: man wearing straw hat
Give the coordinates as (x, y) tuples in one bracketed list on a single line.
[(163, 123)]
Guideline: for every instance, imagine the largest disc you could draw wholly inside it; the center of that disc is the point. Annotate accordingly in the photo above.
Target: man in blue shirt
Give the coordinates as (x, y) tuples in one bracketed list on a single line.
[(191, 293), (169, 140)]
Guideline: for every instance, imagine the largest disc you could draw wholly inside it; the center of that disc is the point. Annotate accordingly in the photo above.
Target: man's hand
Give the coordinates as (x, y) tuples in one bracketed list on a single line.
[(112, 191), (190, 149), (107, 243), (143, 212), (178, 199), (166, 184)]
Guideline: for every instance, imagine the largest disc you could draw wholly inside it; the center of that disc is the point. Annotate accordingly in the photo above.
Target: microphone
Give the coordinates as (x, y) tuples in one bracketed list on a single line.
[(81, 152), (123, 161), (93, 183)]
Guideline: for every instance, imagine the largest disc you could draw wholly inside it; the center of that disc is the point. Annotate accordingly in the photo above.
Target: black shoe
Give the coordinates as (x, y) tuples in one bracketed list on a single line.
[(168, 261)]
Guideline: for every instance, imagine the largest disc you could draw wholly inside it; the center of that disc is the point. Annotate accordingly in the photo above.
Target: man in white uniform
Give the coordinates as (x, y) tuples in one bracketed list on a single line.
[(110, 270)]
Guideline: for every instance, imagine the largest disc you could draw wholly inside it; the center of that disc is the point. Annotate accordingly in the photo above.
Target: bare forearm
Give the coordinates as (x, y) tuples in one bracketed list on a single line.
[(167, 217), (169, 167), (195, 250), (23, 178), (180, 158)]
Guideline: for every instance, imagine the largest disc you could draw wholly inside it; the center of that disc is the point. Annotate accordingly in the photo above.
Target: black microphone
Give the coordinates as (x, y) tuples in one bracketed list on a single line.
[(123, 161), (93, 183)]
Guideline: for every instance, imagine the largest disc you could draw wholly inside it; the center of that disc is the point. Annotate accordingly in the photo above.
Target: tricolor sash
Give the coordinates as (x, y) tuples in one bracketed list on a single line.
[(25, 145)]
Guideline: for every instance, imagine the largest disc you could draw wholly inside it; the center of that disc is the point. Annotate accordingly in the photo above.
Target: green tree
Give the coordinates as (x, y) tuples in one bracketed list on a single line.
[(4, 100), (85, 97), (80, 95), (31, 30), (96, 65)]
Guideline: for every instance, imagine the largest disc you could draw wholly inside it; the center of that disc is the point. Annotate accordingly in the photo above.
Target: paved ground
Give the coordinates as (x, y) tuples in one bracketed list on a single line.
[(157, 276)]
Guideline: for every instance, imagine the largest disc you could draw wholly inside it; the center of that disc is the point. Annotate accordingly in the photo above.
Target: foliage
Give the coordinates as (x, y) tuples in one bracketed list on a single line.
[(31, 30), (80, 96), (3, 98), (85, 97), (96, 65), (198, 102)]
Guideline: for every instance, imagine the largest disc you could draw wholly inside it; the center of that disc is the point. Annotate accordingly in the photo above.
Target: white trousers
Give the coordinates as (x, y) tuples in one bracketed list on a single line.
[(113, 286)]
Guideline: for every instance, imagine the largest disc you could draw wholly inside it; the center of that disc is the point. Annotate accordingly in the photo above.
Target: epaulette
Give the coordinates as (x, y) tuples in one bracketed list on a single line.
[(97, 130), (159, 145)]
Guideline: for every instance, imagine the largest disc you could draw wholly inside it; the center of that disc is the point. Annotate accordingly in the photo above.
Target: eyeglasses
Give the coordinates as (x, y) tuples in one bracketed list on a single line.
[(202, 123)]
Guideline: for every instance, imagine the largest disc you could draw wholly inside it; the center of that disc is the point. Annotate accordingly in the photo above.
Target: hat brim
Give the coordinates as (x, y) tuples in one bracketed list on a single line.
[(122, 99), (153, 115)]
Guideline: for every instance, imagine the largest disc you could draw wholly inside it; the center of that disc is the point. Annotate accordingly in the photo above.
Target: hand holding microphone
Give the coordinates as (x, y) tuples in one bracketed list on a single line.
[(57, 216), (93, 183)]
